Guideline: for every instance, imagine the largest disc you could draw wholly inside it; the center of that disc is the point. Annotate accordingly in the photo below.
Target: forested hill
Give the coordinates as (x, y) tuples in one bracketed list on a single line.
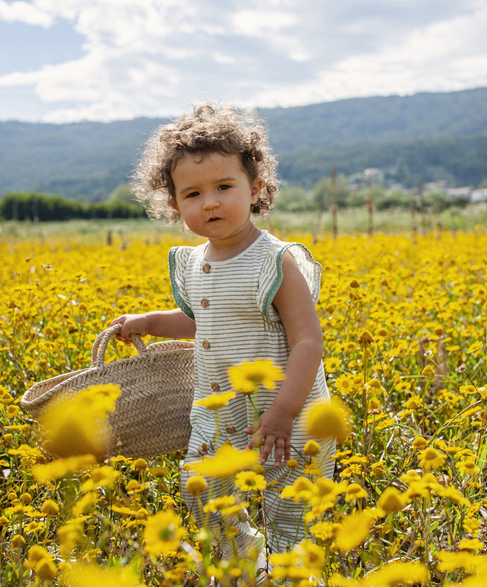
[(426, 136)]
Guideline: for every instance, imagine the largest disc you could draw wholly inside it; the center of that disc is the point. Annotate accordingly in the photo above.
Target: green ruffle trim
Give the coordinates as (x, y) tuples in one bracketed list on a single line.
[(174, 285)]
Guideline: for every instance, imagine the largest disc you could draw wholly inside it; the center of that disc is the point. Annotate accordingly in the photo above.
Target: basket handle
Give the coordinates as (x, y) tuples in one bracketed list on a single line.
[(100, 345)]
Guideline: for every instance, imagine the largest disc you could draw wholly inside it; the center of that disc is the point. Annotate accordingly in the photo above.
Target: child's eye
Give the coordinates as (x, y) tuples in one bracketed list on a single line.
[(192, 195), (224, 186)]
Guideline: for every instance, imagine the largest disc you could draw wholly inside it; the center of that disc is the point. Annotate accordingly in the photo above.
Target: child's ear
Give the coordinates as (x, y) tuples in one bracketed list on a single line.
[(256, 189), (172, 202)]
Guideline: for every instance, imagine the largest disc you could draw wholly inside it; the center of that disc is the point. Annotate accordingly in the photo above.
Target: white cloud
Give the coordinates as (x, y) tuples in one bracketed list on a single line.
[(151, 57), (26, 13)]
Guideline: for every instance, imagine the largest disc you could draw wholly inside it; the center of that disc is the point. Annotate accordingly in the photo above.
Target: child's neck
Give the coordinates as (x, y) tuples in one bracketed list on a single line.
[(221, 251)]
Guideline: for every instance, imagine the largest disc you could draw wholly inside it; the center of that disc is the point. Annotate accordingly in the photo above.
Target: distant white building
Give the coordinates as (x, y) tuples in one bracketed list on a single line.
[(479, 195), (459, 192)]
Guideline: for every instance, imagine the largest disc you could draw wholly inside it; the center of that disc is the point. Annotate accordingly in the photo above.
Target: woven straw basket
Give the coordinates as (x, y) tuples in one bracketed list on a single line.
[(151, 416)]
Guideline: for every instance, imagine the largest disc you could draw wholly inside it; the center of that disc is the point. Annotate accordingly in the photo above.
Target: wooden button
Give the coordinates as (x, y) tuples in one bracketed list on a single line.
[(215, 386), (204, 303), (206, 268), (230, 430), (205, 344)]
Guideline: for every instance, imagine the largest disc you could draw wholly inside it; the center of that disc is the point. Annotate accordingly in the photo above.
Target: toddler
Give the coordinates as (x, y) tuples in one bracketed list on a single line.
[(242, 295)]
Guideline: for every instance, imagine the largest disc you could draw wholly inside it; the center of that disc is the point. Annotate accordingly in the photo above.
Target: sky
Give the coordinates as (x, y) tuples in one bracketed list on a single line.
[(72, 60)]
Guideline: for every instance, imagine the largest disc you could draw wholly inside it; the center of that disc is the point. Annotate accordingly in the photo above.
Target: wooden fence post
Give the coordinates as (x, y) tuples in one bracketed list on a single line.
[(334, 207), (370, 210)]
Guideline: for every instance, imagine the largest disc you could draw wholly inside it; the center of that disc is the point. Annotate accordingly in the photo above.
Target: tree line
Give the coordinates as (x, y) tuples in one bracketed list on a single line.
[(35, 206), (45, 207)]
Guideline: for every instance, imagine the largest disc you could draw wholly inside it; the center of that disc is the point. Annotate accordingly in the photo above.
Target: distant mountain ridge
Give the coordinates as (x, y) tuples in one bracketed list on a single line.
[(447, 131)]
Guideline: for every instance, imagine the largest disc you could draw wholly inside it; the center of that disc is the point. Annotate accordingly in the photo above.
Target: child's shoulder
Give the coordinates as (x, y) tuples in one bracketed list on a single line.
[(181, 255)]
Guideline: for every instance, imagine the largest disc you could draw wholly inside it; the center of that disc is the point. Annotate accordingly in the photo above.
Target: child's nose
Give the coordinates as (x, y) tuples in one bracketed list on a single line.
[(211, 201)]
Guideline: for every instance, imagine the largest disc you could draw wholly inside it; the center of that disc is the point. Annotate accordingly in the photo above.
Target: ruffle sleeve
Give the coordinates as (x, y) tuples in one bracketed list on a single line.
[(178, 262), (271, 275)]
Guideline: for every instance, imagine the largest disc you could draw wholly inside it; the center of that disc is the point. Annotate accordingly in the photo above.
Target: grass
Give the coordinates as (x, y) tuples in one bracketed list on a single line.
[(350, 221)]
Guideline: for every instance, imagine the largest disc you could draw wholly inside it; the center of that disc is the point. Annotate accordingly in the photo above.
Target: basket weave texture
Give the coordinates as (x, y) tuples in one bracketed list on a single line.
[(151, 416)]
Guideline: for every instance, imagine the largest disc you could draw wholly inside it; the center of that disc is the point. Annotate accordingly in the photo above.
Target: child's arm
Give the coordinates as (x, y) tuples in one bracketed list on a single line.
[(298, 314), (168, 324)]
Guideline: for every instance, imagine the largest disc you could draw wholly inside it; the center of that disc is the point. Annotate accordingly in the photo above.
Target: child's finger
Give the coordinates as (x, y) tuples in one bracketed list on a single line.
[(280, 448), (269, 442)]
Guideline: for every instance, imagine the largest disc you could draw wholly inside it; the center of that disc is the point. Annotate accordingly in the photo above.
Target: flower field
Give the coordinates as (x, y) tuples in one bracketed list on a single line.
[(404, 331)]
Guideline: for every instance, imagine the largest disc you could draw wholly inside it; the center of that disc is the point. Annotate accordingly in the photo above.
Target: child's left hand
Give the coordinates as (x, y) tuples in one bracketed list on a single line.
[(274, 427)]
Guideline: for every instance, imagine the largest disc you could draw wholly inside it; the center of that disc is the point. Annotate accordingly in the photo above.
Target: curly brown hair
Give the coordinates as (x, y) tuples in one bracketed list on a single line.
[(221, 129)]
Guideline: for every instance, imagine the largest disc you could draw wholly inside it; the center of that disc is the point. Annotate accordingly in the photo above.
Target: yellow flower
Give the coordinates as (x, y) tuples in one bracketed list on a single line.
[(468, 389), (292, 464), (312, 556), (36, 553), (312, 468), (61, 467), (451, 561), (420, 443), (84, 504), (196, 485), (324, 530), (219, 503), (431, 458), (212, 571), (18, 542), (410, 477), (133, 486), (378, 469), (398, 573), (226, 462), (354, 492), (467, 467), (391, 501), (249, 376), (428, 371), (163, 533), (139, 465), (50, 507), (250, 481), (352, 531), (452, 494), (365, 338), (345, 384), (12, 411), (100, 477), (471, 525), (413, 403), (8, 438), (75, 425), (475, 347), (84, 575), (216, 400), (311, 448), (302, 488), (46, 569), (329, 420), (470, 544), (332, 364), (26, 498)]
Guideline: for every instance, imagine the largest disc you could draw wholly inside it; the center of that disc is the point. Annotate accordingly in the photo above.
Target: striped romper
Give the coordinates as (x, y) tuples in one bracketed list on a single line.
[(231, 303)]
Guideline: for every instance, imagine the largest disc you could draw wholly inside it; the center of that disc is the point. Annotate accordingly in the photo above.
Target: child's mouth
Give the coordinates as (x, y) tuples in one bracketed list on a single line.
[(214, 219)]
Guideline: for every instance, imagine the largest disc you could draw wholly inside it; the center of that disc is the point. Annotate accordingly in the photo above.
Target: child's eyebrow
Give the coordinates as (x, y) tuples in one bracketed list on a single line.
[(219, 180)]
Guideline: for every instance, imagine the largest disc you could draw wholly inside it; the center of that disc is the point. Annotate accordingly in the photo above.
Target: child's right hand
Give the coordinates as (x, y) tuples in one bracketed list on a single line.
[(132, 324)]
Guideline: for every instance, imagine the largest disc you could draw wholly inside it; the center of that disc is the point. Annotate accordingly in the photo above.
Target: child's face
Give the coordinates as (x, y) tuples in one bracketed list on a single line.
[(214, 194)]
